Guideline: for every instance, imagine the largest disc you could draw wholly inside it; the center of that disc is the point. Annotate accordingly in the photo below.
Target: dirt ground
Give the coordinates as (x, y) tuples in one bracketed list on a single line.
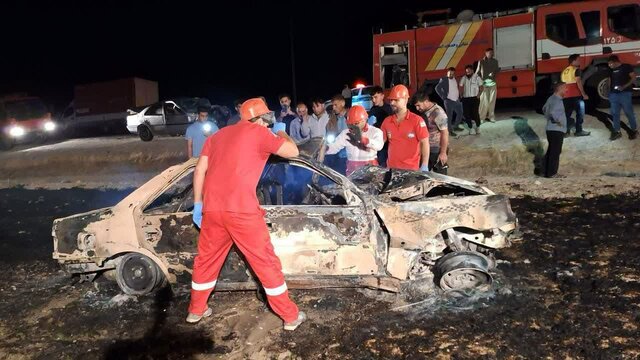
[(569, 288)]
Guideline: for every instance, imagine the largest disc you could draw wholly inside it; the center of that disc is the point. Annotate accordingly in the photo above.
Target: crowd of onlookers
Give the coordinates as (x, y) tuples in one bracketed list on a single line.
[(395, 137)]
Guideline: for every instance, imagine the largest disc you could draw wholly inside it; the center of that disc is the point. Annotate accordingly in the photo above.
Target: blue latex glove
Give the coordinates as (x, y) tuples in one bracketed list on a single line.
[(424, 168), (279, 126), (372, 120), (197, 214)]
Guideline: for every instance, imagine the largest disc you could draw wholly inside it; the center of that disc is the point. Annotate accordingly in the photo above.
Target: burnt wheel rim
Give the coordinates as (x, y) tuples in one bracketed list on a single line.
[(464, 270), (138, 273)]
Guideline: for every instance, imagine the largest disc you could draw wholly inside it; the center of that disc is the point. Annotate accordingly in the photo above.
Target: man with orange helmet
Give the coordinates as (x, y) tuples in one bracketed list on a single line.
[(362, 141), (406, 133), (227, 212)]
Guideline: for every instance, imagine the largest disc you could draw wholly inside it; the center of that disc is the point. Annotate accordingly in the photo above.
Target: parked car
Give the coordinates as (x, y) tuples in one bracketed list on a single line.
[(362, 96), (378, 228), (162, 118)]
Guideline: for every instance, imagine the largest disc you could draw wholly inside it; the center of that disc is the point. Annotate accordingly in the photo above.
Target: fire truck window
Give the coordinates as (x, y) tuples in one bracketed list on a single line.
[(562, 29), (591, 23), (625, 20), (394, 65)]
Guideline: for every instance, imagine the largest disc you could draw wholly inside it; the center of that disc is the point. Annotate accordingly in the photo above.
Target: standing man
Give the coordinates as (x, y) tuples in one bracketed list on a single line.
[(471, 85), (406, 133), (236, 117), (337, 123), (227, 212), (296, 124), (448, 91), (380, 111), (362, 141), (488, 69), (438, 132), (622, 77), (199, 131), (556, 117), (286, 115), (346, 94), (316, 126), (573, 100)]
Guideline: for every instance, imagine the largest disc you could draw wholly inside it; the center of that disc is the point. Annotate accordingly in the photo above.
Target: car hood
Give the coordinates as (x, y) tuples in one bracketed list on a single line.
[(406, 185)]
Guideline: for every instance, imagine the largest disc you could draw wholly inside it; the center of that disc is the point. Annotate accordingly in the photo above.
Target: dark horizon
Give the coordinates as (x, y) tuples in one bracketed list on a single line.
[(218, 51)]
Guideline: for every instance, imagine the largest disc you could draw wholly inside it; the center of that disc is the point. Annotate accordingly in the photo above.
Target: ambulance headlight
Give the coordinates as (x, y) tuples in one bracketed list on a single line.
[(16, 131), (330, 138), (49, 126)]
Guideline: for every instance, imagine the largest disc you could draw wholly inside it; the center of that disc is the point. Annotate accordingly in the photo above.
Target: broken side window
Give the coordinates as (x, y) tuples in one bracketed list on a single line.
[(288, 184), (177, 198)]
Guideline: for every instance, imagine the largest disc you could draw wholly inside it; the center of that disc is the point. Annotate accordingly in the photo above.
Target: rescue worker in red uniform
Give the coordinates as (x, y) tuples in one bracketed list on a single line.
[(406, 133), (362, 141), (227, 211)]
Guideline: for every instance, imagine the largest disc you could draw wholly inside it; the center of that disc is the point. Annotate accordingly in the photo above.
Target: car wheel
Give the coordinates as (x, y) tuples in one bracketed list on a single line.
[(145, 133), (136, 274), (463, 271)]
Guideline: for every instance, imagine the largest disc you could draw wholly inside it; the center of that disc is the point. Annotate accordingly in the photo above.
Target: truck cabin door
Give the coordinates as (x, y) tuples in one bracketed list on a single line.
[(561, 33), (176, 119), (621, 30)]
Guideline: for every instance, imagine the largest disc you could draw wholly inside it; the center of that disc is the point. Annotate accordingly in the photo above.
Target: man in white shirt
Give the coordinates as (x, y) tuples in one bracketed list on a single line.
[(449, 92), (471, 84), (316, 124), (362, 141)]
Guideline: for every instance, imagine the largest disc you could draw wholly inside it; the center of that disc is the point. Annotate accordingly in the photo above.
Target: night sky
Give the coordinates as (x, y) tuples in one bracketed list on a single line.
[(217, 49)]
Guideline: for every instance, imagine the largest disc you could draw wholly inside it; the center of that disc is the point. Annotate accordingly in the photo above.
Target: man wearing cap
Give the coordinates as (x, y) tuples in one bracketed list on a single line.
[(362, 141), (227, 212), (199, 131), (406, 133)]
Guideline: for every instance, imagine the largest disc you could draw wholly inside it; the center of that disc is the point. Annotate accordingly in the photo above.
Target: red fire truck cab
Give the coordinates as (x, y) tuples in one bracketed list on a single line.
[(532, 46)]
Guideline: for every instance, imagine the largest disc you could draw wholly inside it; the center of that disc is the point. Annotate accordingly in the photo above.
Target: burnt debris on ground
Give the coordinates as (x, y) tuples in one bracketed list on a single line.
[(569, 287)]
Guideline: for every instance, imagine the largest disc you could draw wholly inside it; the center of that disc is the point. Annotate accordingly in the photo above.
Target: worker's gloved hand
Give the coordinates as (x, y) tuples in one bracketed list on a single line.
[(197, 214), (372, 120), (279, 126), (355, 135), (424, 168)]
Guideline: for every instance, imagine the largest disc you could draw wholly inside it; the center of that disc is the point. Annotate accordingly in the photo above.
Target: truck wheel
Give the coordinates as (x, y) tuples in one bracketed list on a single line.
[(145, 133), (136, 274), (597, 88)]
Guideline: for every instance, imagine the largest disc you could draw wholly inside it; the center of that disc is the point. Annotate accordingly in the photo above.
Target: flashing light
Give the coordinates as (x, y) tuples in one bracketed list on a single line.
[(359, 85), (330, 138), (49, 126), (206, 128), (16, 131)]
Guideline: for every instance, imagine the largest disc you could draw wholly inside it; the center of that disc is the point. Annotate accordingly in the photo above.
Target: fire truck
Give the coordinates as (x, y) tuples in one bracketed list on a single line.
[(532, 46)]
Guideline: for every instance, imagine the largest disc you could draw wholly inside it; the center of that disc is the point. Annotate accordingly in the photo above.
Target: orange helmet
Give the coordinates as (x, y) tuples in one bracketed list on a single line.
[(398, 92), (253, 108), (356, 114)]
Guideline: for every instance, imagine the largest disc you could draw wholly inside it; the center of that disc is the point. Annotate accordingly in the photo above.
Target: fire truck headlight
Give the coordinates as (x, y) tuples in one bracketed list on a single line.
[(49, 126), (330, 138), (16, 131)]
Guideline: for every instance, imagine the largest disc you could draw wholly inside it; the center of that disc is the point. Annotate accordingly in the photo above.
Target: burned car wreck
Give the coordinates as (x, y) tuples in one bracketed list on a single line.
[(378, 228)]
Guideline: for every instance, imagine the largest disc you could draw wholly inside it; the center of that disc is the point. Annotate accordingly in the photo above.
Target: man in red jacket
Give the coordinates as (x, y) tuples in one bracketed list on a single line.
[(406, 133), (227, 210)]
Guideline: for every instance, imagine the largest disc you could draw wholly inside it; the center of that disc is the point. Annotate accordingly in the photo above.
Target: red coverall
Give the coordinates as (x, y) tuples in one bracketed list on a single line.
[(236, 157)]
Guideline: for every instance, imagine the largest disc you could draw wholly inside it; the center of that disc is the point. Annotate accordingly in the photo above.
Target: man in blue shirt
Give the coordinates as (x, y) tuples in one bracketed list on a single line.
[(199, 131), (556, 128)]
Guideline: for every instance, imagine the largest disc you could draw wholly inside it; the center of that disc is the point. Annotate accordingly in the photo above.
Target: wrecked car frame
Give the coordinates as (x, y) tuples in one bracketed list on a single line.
[(378, 228)]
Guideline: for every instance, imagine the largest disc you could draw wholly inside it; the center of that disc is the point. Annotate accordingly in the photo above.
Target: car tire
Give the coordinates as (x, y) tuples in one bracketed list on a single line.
[(145, 133), (597, 88), (137, 274)]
